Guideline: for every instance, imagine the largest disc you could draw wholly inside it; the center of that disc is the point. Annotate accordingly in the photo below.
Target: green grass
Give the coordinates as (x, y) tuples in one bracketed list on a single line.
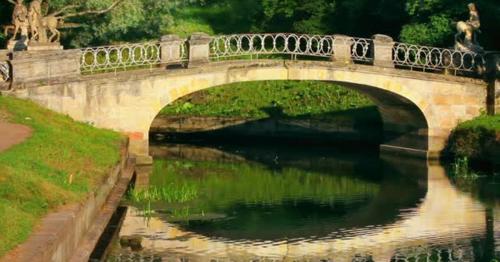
[(59, 164), (274, 99)]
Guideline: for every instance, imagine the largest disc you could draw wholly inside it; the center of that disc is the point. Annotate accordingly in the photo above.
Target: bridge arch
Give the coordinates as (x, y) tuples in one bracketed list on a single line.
[(411, 122), (405, 125)]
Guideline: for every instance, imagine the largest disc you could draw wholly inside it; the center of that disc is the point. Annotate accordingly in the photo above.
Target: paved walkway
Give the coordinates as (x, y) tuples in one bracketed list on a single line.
[(12, 134)]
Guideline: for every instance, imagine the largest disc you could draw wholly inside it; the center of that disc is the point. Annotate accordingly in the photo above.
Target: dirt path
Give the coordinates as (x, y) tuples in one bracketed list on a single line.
[(12, 134)]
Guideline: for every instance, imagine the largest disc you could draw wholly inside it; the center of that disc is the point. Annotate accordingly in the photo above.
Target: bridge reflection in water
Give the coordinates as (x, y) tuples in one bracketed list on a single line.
[(442, 226)]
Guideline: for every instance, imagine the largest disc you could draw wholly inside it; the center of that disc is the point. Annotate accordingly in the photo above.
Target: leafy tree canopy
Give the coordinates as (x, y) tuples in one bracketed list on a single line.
[(429, 22)]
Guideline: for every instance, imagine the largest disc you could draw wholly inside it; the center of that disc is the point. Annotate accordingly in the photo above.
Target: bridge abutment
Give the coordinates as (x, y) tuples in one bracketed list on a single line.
[(139, 147)]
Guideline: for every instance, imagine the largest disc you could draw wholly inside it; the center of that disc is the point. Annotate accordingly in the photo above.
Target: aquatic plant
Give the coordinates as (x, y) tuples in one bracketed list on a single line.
[(461, 169), (169, 193)]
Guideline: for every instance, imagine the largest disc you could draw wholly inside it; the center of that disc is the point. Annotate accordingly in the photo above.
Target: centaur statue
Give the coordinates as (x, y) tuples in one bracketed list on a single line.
[(33, 24), (466, 36)]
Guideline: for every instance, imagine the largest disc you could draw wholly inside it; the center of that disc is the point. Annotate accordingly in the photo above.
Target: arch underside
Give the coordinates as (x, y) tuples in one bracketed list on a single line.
[(405, 127)]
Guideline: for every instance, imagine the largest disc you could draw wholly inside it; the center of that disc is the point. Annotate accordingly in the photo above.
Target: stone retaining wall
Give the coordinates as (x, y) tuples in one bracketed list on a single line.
[(63, 233)]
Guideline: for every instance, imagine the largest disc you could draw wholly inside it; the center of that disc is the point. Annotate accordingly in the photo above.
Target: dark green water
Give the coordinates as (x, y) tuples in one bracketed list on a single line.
[(257, 203)]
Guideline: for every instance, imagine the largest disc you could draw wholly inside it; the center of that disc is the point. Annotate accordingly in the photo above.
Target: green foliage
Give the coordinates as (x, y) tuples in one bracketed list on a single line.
[(436, 32), (132, 20), (473, 139), (432, 22), (297, 15), (418, 21), (55, 166)]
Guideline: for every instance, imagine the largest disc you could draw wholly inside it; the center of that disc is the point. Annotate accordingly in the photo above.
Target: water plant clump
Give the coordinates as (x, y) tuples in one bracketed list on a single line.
[(461, 169), (169, 193)]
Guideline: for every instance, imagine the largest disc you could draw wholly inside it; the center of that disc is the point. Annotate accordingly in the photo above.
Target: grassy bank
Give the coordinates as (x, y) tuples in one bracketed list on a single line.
[(477, 140), (282, 99), (59, 164)]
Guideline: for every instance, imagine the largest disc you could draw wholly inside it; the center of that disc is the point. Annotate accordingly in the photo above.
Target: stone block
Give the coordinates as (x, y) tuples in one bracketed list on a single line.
[(36, 46), (342, 52), (30, 66), (382, 50), (171, 49), (199, 49)]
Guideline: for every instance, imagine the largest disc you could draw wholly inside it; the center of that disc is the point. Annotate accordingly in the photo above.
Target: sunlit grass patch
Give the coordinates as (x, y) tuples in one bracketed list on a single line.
[(60, 163)]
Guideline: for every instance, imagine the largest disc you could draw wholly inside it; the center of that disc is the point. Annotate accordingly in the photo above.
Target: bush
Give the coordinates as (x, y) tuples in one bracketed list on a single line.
[(475, 139)]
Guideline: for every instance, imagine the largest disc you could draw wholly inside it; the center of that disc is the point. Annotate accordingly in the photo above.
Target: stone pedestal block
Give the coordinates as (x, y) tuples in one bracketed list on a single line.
[(171, 49), (37, 46), (199, 49), (342, 52), (30, 66), (382, 50)]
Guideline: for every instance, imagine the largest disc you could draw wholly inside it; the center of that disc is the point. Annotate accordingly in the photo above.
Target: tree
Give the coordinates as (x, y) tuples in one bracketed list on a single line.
[(297, 15), (432, 22)]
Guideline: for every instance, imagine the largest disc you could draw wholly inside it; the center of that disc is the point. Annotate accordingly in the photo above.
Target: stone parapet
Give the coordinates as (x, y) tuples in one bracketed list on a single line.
[(342, 53), (382, 50), (199, 49), (28, 66), (170, 49)]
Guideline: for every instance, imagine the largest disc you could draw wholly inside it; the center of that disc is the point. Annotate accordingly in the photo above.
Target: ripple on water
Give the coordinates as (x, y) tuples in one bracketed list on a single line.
[(393, 216)]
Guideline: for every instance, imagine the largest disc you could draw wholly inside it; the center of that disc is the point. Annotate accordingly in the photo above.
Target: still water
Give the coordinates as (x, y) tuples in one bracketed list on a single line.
[(200, 203)]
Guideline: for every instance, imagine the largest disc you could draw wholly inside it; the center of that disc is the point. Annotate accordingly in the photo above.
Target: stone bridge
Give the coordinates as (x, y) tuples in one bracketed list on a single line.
[(421, 92)]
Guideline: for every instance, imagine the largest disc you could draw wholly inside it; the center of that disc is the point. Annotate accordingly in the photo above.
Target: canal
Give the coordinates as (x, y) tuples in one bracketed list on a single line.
[(201, 202)]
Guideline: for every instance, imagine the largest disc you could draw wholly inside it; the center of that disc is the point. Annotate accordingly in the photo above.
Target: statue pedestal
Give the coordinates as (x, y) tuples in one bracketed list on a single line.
[(37, 46)]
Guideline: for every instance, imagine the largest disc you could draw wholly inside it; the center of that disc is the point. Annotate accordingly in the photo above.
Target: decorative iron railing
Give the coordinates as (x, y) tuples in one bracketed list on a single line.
[(123, 57), (361, 49), (282, 46), (5, 71), (436, 59), (295, 45), (226, 46)]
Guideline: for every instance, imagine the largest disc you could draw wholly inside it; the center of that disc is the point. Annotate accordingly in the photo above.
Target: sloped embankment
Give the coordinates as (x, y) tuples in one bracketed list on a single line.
[(60, 163)]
